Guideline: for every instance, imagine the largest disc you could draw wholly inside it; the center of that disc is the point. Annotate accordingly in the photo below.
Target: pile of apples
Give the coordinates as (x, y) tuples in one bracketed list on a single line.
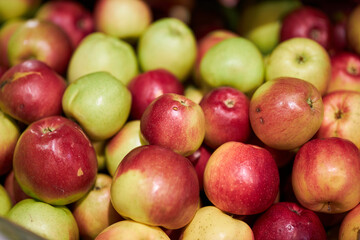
[(181, 119)]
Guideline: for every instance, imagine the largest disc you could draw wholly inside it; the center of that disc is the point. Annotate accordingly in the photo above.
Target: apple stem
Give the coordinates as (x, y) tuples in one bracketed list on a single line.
[(310, 102), (338, 114)]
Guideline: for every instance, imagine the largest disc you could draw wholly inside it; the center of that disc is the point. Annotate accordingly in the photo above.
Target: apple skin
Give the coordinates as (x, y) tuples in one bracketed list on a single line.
[(5, 201), (288, 220), (147, 86), (41, 40), (17, 8), (241, 179), (350, 225), (286, 112), (174, 121), (352, 31), (324, 173), (31, 90), (13, 188), (226, 111), (341, 116), (156, 186), (60, 148), (76, 20)]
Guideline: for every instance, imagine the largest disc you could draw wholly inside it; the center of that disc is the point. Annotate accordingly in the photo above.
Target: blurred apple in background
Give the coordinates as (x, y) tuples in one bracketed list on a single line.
[(99, 102), (194, 93), (175, 122), (6, 31), (17, 8), (76, 20), (13, 188), (3, 69), (147, 86), (54, 161), (31, 90), (101, 52), (352, 29), (5, 201), (99, 147), (156, 186), (41, 40), (350, 226)]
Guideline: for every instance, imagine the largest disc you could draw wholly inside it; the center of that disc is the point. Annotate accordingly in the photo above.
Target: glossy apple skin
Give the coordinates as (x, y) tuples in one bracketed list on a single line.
[(288, 220), (174, 121), (286, 112), (324, 173), (41, 40), (199, 159), (147, 86), (350, 226), (156, 186), (61, 155), (6, 31), (76, 20), (226, 111), (241, 179)]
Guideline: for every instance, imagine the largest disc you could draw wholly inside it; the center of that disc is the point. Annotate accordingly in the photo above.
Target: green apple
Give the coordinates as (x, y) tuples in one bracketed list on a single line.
[(101, 52), (99, 102), (17, 8), (234, 62), (48, 221), (301, 58), (170, 44), (193, 93), (99, 147), (5, 201)]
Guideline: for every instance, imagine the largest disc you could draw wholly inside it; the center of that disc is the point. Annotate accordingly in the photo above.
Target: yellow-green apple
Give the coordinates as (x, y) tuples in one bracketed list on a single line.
[(54, 161), (307, 22), (288, 220), (194, 93), (174, 121), (130, 230), (352, 31), (41, 40), (17, 8), (99, 147), (210, 223), (9, 135), (6, 31), (286, 112), (302, 58), (156, 186), (101, 52), (341, 116), (199, 159), (324, 173), (170, 44), (31, 90), (350, 225), (99, 102), (124, 19), (48, 221), (147, 86), (241, 179), (5, 201), (345, 72), (94, 212), (235, 62), (73, 17), (125, 140), (13, 188), (226, 112)]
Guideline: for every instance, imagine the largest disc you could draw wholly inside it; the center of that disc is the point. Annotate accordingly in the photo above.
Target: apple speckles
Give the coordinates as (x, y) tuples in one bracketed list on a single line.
[(80, 172), (261, 120)]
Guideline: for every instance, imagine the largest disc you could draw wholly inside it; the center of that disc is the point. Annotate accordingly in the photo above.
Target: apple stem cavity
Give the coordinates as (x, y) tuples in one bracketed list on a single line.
[(229, 103), (300, 59), (310, 102), (351, 69), (47, 130), (338, 114), (314, 34)]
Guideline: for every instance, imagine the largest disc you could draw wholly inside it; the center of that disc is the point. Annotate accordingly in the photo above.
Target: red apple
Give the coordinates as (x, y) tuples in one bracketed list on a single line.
[(241, 179), (286, 112), (3, 69), (147, 86), (13, 188), (31, 90), (6, 31), (324, 173), (350, 226), (226, 111), (288, 220), (76, 20), (54, 161), (174, 121)]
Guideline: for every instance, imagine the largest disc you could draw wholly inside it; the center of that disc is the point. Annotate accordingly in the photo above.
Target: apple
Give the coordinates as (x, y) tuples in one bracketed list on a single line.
[(99, 102), (7, 29), (306, 60), (174, 121), (17, 8), (3, 69), (194, 93), (352, 31), (41, 40), (211, 223), (48, 221), (13, 188), (156, 186), (288, 220), (324, 173), (76, 20), (241, 178), (100, 52), (130, 230), (124, 19), (5, 201), (226, 111), (286, 112), (170, 44), (350, 225), (54, 161), (31, 90), (99, 147), (94, 212), (147, 86), (341, 116)]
